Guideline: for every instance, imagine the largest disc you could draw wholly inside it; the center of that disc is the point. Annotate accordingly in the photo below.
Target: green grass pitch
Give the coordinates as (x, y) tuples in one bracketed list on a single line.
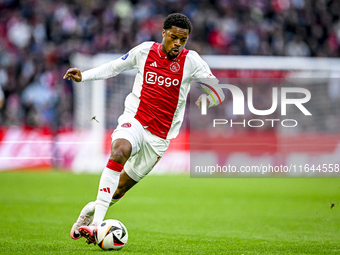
[(174, 214)]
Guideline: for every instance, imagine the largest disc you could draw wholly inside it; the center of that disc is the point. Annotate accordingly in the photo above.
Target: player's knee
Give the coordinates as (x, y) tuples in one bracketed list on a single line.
[(118, 156), (120, 151)]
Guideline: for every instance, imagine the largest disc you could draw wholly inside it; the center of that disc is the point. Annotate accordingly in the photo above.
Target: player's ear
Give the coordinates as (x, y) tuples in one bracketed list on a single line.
[(163, 33)]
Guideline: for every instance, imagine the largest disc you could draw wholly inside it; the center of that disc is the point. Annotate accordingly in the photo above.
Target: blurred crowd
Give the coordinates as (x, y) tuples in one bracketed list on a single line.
[(38, 37)]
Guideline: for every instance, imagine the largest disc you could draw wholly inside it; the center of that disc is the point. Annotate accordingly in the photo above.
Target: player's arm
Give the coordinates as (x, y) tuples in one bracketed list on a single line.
[(105, 71), (101, 72), (203, 75)]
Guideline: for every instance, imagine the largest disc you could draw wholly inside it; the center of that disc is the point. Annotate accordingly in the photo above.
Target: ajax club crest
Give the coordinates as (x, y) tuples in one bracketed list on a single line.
[(126, 125), (174, 67)]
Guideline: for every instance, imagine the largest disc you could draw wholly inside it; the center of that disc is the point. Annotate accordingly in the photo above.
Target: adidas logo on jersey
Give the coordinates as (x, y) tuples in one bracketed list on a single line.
[(154, 64)]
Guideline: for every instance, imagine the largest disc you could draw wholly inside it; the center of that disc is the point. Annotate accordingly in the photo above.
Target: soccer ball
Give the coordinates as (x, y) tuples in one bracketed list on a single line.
[(111, 235)]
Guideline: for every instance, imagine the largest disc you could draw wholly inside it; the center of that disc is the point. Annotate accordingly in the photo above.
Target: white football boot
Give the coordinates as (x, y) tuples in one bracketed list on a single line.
[(83, 220)]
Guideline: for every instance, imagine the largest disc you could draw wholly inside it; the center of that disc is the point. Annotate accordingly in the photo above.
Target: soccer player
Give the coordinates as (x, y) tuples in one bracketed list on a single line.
[(153, 114)]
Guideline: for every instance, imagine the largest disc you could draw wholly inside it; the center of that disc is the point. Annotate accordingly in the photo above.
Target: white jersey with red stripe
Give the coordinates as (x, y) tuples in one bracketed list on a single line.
[(161, 86)]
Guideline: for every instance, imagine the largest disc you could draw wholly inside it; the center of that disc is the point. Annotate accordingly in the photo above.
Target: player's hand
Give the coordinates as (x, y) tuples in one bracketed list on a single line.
[(199, 102), (74, 74)]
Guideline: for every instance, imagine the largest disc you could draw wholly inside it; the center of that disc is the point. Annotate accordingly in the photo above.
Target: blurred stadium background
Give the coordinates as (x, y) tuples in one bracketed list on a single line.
[(45, 121)]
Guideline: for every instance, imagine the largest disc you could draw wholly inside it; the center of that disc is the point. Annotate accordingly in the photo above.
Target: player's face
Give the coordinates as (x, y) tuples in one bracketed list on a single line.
[(174, 40)]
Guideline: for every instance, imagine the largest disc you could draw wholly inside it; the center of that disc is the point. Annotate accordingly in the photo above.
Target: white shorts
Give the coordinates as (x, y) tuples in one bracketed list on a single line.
[(147, 148)]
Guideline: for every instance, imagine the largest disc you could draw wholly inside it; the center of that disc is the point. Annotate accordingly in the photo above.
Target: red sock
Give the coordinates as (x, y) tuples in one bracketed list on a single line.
[(113, 165)]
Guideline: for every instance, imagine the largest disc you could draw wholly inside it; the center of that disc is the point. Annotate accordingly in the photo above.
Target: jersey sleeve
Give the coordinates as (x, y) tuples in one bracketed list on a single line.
[(203, 75), (115, 67)]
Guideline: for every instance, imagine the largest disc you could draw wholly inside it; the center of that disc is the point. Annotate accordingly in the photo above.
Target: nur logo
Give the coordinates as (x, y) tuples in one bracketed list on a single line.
[(301, 97)]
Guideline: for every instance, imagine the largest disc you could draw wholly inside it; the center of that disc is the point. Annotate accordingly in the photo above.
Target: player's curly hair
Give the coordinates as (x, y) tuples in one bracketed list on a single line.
[(178, 20)]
